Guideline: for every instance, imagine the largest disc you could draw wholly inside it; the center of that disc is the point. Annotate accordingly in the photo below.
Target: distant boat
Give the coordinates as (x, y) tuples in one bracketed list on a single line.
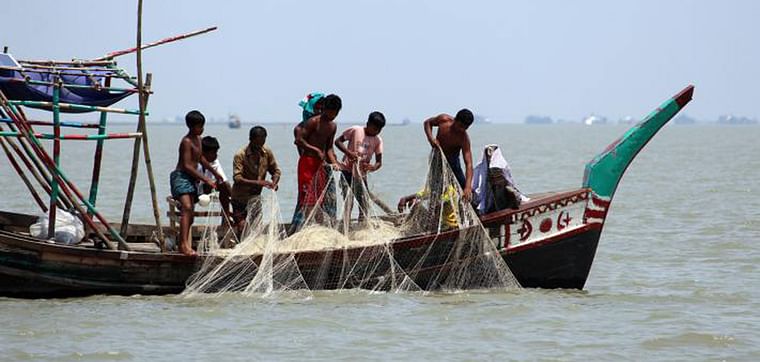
[(404, 122), (732, 120), (234, 121), (532, 119), (594, 120), (481, 119)]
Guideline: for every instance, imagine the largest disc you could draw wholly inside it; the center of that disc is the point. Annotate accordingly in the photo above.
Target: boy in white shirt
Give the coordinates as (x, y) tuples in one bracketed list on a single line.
[(362, 144), (210, 148)]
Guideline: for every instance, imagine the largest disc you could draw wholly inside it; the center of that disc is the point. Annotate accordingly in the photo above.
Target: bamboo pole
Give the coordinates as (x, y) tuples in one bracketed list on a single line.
[(67, 186), (42, 181), (21, 174), (62, 124), (131, 187), (56, 159), (98, 159), (380, 203), (39, 171), (81, 63), (76, 107), (65, 68), (28, 147), (149, 165), (73, 86), (82, 73), (136, 147), (77, 137), (142, 122), (140, 47)]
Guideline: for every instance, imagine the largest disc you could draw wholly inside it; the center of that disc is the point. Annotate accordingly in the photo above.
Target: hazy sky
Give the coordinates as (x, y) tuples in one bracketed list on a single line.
[(411, 58)]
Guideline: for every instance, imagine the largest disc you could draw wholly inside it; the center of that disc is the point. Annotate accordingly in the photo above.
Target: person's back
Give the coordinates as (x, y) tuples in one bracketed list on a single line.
[(452, 138), (449, 139)]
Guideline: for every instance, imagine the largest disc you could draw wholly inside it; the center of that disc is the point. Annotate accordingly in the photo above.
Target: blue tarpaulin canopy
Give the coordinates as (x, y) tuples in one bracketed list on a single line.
[(14, 83)]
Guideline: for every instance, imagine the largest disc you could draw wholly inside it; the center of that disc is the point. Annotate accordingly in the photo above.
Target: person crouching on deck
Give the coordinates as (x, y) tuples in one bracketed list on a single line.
[(446, 207), (250, 167), (363, 142), (315, 138), (211, 154), (185, 177), (452, 139)]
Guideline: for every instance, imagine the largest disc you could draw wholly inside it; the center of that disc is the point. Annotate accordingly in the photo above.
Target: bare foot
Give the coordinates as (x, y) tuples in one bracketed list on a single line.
[(188, 252)]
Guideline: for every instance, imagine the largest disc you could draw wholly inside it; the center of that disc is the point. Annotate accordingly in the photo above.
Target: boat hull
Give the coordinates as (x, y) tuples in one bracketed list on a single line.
[(34, 269), (564, 263)]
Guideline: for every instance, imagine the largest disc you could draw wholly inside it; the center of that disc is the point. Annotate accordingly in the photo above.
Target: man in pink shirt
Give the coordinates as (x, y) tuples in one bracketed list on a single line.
[(363, 143)]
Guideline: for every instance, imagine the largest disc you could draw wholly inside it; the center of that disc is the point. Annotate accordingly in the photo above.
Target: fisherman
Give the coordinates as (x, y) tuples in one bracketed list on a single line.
[(185, 177), (311, 105), (315, 139), (448, 201), (452, 139), (210, 153), (494, 187), (250, 167), (363, 143)]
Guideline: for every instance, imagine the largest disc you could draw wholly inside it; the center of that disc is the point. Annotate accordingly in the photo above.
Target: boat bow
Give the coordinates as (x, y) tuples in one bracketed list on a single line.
[(603, 172)]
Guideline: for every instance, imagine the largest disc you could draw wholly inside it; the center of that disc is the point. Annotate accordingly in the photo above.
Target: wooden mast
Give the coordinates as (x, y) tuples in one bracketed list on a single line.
[(142, 129)]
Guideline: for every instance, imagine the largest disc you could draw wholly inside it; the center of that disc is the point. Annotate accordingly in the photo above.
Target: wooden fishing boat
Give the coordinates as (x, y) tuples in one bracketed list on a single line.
[(548, 242)]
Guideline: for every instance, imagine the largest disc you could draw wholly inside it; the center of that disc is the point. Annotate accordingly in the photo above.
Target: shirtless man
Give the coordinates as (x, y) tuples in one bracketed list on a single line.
[(186, 175), (312, 106), (451, 139), (315, 138)]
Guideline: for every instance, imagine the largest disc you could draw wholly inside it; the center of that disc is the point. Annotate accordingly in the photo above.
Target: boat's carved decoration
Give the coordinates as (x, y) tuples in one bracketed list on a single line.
[(563, 220), (546, 225), (568, 212), (544, 208), (525, 230)]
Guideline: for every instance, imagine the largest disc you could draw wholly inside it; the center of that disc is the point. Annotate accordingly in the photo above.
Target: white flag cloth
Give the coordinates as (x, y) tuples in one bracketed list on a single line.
[(480, 180)]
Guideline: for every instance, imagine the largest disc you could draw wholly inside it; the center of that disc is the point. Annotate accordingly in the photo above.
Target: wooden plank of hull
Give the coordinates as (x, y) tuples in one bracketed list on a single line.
[(36, 269)]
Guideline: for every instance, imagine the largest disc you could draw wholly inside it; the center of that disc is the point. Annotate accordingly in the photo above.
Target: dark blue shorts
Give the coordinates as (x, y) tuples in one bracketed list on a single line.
[(182, 183), (456, 168)]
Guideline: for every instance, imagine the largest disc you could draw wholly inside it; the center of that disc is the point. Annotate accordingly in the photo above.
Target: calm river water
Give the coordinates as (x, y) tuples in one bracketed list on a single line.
[(675, 278)]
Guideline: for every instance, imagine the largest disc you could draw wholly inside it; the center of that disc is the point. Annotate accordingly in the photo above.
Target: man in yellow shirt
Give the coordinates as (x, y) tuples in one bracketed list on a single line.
[(449, 199)]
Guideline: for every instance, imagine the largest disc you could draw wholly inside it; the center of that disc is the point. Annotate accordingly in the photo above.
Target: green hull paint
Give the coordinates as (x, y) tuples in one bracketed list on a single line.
[(603, 173)]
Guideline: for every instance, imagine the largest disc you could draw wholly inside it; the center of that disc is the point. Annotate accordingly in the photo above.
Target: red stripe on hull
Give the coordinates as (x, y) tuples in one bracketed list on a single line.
[(598, 214), (600, 203)]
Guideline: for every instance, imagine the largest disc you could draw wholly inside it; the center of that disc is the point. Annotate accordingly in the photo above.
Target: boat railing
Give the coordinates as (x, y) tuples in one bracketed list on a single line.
[(22, 144)]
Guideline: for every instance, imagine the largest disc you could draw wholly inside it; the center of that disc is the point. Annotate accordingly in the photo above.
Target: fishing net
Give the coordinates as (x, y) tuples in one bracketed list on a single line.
[(437, 244)]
